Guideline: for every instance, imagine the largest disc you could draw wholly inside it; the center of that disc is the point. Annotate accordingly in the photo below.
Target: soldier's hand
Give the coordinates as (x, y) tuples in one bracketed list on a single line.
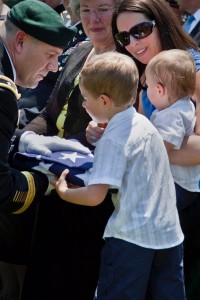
[(31, 142)]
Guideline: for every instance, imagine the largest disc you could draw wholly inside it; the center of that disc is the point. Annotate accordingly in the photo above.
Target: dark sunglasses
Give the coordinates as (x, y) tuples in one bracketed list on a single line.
[(138, 31)]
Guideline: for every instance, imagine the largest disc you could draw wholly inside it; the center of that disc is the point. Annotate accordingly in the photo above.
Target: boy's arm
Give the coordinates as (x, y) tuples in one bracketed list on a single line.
[(91, 195)]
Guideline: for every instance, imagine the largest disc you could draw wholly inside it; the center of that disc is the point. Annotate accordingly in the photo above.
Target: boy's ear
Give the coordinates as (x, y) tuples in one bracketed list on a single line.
[(106, 101)]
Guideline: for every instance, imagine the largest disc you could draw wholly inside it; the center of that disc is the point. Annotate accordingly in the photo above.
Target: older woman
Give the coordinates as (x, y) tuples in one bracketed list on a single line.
[(65, 255)]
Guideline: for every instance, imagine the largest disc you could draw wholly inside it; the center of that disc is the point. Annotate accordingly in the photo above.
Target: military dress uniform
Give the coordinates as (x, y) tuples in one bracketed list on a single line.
[(20, 191), (17, 189)]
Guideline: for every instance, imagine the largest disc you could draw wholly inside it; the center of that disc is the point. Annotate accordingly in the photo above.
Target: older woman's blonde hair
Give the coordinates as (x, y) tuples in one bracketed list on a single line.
[(75, 6)]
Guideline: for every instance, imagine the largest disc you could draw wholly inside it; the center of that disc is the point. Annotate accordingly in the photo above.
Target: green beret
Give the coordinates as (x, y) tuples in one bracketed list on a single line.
[(42, 22)]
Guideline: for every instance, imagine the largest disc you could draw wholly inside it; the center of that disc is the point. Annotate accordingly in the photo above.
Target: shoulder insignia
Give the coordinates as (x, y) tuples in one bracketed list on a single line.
[(7, 83)]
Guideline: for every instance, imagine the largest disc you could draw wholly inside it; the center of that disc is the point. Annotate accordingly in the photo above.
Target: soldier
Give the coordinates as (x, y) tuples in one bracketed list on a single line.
[(32, 37)]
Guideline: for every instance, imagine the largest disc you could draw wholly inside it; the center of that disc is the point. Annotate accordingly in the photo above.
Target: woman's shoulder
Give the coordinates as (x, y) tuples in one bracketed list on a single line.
[(195, 53), (83, 48), (196, 56), (75, 61)]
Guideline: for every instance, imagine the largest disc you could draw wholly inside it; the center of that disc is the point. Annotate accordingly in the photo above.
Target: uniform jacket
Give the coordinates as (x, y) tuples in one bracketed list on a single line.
[(17, 189)]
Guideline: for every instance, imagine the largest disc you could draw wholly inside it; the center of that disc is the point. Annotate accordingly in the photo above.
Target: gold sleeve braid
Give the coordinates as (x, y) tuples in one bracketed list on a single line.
[(25, 197), (7, 83)]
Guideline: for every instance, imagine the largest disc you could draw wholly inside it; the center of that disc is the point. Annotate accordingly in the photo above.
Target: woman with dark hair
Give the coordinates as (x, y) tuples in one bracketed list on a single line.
[(144, 28), (163, 34)]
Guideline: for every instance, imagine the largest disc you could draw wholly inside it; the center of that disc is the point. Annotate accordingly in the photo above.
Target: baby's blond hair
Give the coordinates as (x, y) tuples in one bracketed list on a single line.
[(175, 69)]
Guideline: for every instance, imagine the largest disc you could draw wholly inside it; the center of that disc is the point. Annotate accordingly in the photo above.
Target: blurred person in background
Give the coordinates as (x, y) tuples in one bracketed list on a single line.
[(4, 9), (57, 5), (191, 9)]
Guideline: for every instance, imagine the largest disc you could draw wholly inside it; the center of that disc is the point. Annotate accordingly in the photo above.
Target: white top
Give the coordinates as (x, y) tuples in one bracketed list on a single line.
[(131, 156), (174, 123)]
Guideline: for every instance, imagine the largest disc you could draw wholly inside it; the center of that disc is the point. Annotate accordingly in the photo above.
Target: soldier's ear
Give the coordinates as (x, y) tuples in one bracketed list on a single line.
[(19, 40)]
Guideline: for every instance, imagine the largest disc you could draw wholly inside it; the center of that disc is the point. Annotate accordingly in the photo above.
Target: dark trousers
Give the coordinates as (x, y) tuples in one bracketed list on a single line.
[(188, 204), (131, 272)]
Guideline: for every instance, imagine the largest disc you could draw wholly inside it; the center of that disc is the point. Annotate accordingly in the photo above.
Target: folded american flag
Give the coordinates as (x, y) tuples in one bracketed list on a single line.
[(76, 162)]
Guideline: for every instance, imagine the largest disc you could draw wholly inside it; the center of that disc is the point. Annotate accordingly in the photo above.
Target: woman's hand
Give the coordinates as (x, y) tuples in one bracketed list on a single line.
[(94, 131)]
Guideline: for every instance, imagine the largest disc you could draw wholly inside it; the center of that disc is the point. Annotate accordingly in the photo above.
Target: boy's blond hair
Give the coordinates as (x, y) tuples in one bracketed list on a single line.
[(174, 69), (112, 74)]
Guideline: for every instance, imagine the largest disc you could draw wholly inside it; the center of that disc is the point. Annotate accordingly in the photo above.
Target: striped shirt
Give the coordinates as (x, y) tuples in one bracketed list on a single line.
[(132, 157)]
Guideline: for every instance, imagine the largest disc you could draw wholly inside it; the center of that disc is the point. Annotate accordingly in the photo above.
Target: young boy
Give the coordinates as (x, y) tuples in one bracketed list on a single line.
[(170, 78), (142, 256)]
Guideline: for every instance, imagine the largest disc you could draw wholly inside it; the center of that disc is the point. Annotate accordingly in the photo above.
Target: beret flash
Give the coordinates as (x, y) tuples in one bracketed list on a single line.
[(42, 22)]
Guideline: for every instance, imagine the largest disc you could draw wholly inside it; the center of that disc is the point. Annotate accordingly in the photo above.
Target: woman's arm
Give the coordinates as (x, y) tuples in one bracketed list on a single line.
[(189, 154), (196, 98), (140, 106)]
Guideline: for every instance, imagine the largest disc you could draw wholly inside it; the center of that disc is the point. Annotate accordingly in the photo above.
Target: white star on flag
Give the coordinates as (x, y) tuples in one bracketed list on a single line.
[(71, 156)]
